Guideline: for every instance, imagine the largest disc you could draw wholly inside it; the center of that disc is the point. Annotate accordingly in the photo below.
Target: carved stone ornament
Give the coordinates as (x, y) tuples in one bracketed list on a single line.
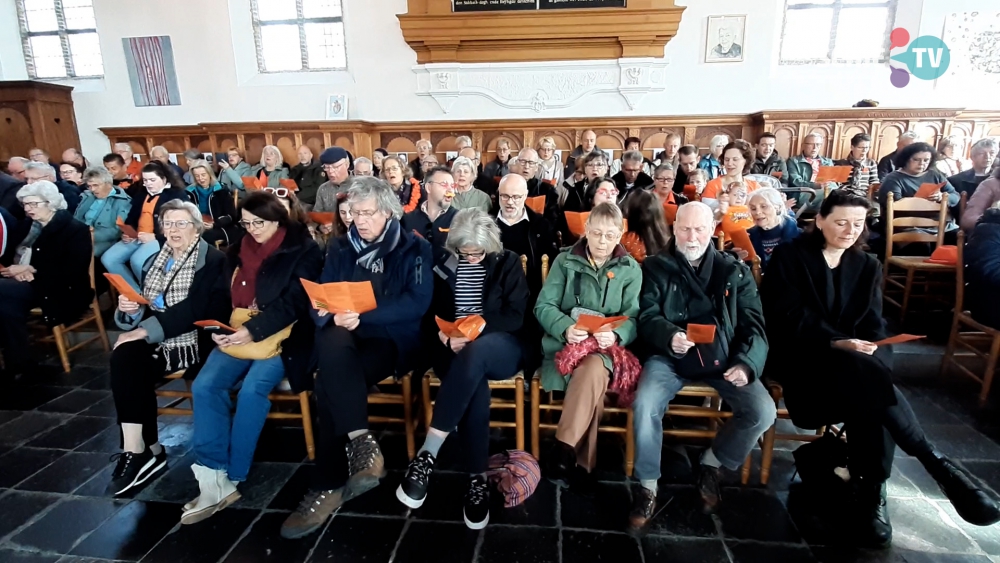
[(541, 86)]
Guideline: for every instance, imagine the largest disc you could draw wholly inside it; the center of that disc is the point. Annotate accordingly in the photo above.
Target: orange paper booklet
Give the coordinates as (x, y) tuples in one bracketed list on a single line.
[(741, 240), (250, 182), (468, 327), (340, 297), (593, 324), (777, 174), (215, 325), (838, 174), (321, 218), (290, 184), (577, 222), (898, 339), (536, 204), (207, 219), (126, 229), (737, 218), (927, 190), (125, 289), (691, 192), (701, 334)]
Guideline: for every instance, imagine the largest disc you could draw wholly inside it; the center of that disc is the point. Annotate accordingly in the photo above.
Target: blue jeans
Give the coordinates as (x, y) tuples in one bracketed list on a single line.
[(127, 259), (753, 413), (222, 440)]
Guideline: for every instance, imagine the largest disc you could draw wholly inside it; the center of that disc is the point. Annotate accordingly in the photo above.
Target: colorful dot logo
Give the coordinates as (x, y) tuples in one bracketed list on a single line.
[(927, 57)]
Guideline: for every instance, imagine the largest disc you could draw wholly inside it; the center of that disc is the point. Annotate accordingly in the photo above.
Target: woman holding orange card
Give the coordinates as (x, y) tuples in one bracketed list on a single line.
[(183, 283), (596, 276), (914, 171), (477, 278), (822, 300)]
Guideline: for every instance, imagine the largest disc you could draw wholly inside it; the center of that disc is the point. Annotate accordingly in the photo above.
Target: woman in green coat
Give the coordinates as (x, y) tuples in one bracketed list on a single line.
[(596, 276), (271, 170)]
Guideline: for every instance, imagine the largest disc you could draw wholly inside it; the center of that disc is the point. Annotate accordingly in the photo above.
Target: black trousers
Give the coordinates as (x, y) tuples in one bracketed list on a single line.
[(16, 300), (348, 367), (848, 390), (463, 402), (136, 368)]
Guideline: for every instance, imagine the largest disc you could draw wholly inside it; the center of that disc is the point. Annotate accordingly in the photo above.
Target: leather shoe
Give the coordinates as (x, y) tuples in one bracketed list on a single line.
[(643, 508), (873, 528), (971, 502), (560, 464), (709, 489)]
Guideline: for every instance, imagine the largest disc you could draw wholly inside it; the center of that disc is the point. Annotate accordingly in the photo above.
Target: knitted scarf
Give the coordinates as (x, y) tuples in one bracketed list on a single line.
[(626, 368), (180, 352), (370, 254), (252, 255)]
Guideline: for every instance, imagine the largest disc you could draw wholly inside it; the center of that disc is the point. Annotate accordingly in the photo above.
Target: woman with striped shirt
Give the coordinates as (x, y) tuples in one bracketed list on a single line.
[(477, 277)]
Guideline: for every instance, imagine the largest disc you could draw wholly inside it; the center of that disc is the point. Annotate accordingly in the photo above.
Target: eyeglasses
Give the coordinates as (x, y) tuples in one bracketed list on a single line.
[(363, 213), (472, 255), (610, 236), (528, 163), (33, 204), (392, 169), (182, 224), (256, 223), (667, 179), (596, 165), (279, 192), (511, 198), (335, 165), (607, 192)]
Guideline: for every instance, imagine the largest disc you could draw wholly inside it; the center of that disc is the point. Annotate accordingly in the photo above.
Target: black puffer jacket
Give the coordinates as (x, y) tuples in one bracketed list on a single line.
[(982, 270)]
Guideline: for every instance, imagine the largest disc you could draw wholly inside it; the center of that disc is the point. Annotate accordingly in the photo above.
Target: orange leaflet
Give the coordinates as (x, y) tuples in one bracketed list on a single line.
[(551, 182), (214, 325), (777, 174), (207, 219), (737, 218), (250, 182), (536, 204), (126, 229), (898, 339), (593, 324), (577, 222), (838, 174), (701, 334), (341, 297), (691, 192), (741, 240), (945, 254), (927, 190), (321, 218), (468, 327), (290, 184), (125, 289)]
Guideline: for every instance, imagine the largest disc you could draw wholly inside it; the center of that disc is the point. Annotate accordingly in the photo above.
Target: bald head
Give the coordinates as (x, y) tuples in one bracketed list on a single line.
[(588, 141), (469, 153), (693, 229)]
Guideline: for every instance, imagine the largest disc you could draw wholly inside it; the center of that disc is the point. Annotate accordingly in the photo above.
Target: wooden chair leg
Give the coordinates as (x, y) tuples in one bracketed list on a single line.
[(425, 388), (949, 351), (187, 384), (745, 473), (307, 424), (907, 290), (991, 366), (716, 404), (519, 413), (59, 335), (536, 449), (629, 444), (767, 453), (411, 447), (96, 307)]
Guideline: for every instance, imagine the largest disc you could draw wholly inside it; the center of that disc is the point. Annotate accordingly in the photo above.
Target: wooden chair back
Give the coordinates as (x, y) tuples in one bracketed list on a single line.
[(545, 267), (756, 270), (961, 205), (960, 272), (914, 205), (524, 264), (873, 191)]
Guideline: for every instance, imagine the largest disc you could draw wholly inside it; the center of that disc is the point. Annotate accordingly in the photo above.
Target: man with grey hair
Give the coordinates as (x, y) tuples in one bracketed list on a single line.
[(15, 167), (463, 142), (631, 177), (39, 171), (983, 154), (498, 167), (692, 286), (133, 168), (887, 164), (161, 153), (357, 349), (803, 168), (424, 149), (432, 219), (363, 166), (526, 165)]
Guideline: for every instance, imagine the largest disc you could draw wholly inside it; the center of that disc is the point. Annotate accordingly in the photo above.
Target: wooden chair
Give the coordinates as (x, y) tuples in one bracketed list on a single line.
[(60, 331), (515, 383), (981, 340), (911, 265), (404, 398)]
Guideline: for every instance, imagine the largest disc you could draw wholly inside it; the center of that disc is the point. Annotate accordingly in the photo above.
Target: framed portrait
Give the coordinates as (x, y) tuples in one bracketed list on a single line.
[(336, 106), (725, 39)]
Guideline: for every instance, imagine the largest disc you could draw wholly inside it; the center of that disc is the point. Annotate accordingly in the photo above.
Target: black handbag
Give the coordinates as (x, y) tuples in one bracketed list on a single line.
[(817, 461)]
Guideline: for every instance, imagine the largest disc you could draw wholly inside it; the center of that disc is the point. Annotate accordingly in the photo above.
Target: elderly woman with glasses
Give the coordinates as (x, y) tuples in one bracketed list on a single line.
[(467, 196), (47, 264), (399, 176), (102, 206), (597, 277), (215, 203), (273, 343), (550, 168), (185, 282), (358, 349), (233, 168), (270, 171), (773, 225), (477, 277)]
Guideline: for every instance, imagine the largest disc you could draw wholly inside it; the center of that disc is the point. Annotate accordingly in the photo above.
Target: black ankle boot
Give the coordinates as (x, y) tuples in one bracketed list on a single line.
[(560, 463), (872, 525), (971, 502)]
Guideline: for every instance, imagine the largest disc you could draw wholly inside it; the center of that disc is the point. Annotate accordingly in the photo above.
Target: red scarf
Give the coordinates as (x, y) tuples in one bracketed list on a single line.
[(252, 255), (625, 378)]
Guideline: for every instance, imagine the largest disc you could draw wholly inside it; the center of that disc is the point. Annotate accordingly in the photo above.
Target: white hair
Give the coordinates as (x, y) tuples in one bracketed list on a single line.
[(19, 159), (774, 198), (123, 146), (463, 161), (424, 142), (362, 160), (186, 206), (279, 160), (910, 135), (724, 139), (158, 148), (983, 145), (42, 167), (472, 227), (464, 140), (816, 134), (632, 156), (45, 190), (363, 188)]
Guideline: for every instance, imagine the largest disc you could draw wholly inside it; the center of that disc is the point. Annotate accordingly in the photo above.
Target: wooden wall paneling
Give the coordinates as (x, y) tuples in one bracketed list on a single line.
[(786, 139), (314, 140), (15, 130), (254, 146), (929, 131), (287, 146), (36, 114), (889, 133), (490, 137)]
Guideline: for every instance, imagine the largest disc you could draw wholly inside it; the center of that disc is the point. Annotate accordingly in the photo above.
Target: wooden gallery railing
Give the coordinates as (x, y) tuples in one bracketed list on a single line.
[(361, 137)]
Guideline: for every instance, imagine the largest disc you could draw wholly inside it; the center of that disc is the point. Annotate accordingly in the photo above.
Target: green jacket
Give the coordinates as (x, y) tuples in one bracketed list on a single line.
[(667, 294), (800, 172), (612, 290), (273, 181), (105, 224)]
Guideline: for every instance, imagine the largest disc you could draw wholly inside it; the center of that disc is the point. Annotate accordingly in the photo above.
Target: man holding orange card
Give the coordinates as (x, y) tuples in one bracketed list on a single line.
[(700, 320), (432, 219)]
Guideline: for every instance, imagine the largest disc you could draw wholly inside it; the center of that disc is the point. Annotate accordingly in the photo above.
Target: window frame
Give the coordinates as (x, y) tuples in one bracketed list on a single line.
[(63, 33), (837, 6), (300, 21)]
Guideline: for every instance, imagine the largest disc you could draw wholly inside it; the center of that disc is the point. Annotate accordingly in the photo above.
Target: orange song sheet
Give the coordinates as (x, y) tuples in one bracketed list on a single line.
[(898, 339), (468, 327), (927, 190), (125, 289), (536, 204), (250, 182), (838, 174), (321, 218), (207, 219), (593, 324), (340, 297), (741, 240), (777, 174), (737, 217), (551, 182), (126, 229), (691, 192), (290, 184), (701, 334), (215, 325), (577, 222)]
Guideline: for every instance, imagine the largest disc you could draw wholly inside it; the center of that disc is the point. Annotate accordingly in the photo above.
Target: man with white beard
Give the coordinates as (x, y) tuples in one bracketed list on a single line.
[(700, 320)]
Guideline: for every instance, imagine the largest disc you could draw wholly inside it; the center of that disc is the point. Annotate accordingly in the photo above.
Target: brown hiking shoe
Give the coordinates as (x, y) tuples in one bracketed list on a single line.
[(709, 488), (643, 508), (312, 512), (366, 465)]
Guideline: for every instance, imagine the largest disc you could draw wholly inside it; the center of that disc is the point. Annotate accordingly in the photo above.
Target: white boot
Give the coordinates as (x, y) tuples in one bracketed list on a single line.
[(217, 492)]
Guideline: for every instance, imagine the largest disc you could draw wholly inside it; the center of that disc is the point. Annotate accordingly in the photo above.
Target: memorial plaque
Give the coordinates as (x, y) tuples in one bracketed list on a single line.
[(493, 5), (561, 4)]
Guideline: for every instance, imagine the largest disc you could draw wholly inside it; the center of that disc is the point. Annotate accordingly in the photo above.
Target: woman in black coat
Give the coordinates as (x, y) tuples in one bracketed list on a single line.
[(822, 301), (47, 265), (185, 282), (480, 278), (982, 270)]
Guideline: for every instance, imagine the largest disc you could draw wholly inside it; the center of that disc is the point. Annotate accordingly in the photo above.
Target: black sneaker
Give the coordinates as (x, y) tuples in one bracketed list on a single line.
[(477, 503), (413, 490), (135, 469)]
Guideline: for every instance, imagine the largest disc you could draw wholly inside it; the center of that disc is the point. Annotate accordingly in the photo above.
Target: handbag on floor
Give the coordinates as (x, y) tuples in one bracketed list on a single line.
[(515, 474), (823, 461)]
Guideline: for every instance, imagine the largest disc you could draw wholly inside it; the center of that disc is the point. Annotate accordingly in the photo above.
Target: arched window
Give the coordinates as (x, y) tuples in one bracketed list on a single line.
[(837, 31), (299, 35), (59, 38)]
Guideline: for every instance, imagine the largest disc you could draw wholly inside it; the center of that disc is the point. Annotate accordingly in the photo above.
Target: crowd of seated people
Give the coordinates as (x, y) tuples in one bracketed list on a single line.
[(495, 241)]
